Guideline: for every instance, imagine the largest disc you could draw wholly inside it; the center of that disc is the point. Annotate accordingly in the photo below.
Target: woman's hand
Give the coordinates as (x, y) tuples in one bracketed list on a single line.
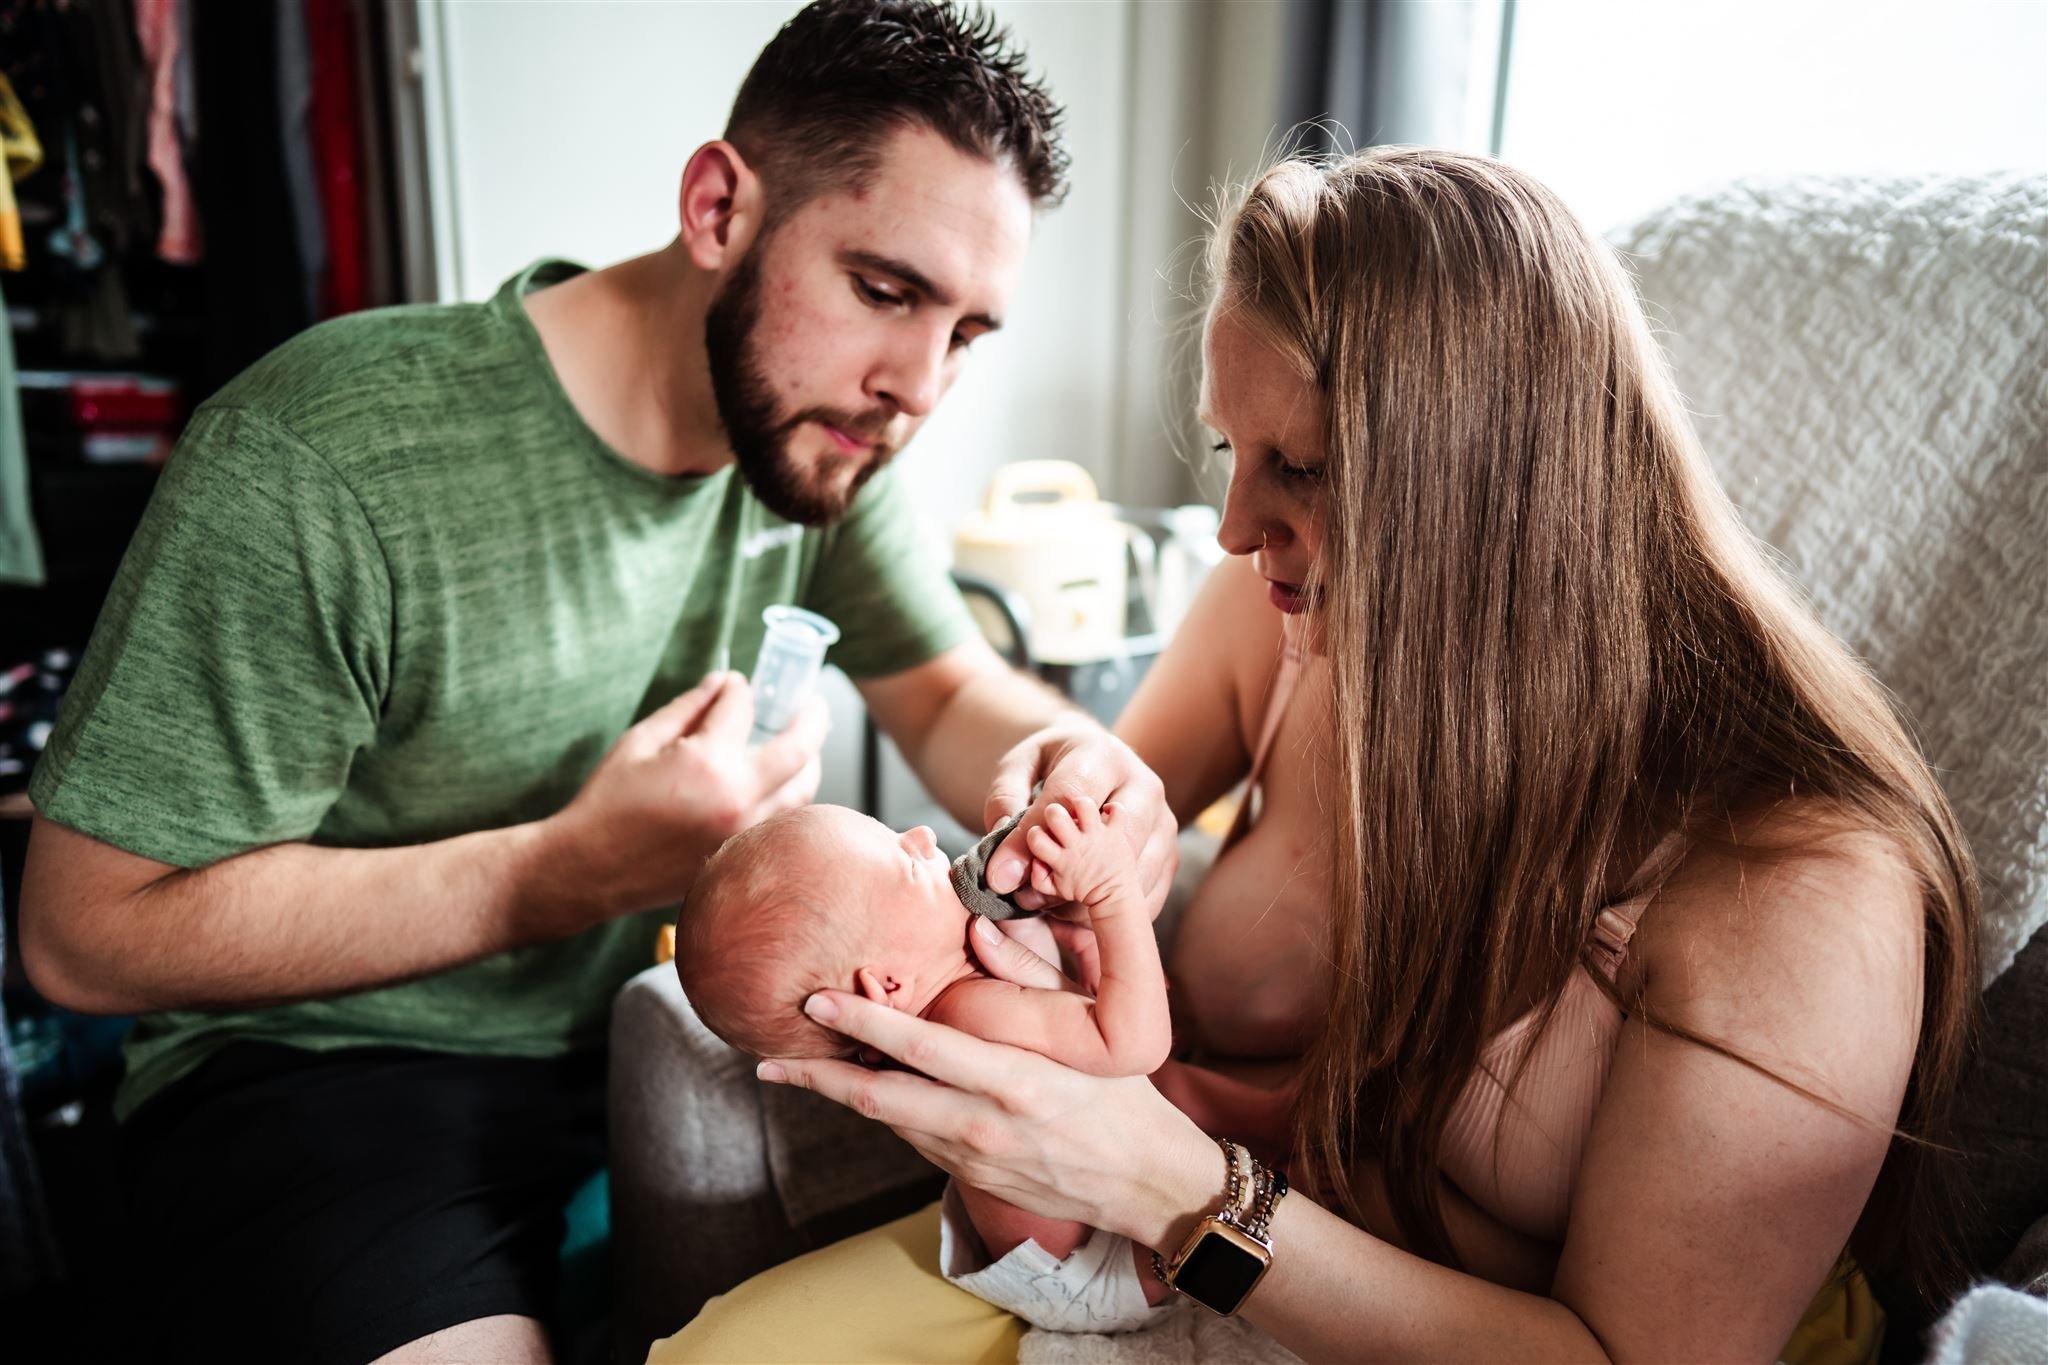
[(1010, 952), (1109, 1152), (1074, 761)]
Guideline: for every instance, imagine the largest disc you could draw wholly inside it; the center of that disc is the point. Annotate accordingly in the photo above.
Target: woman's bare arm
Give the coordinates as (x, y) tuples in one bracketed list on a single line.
[(1188, 719)]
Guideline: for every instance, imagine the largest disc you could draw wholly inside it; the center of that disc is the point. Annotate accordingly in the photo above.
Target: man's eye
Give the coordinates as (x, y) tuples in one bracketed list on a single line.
[(879, 297)]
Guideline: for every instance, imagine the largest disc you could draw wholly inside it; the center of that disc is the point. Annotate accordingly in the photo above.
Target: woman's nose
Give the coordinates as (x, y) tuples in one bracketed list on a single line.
[(1247, 527)]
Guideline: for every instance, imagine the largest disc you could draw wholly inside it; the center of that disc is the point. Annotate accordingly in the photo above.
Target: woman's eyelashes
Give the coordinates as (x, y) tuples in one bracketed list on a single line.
[(1287, 469)]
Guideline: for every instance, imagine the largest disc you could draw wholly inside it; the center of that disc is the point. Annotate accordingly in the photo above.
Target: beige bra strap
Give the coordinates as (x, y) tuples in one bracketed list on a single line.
[(1277, 698)]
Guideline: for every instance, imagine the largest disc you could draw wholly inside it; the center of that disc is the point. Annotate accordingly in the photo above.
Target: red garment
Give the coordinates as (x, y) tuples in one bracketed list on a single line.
[(157, 25), (338, 152)]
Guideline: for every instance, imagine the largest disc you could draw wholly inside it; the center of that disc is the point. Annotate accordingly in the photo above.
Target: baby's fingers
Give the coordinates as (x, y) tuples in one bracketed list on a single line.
[(1061, 823), (1041, 877), (1043, 846)]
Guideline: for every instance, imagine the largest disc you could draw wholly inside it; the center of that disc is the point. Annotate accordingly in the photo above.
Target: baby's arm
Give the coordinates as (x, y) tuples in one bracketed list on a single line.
[(1082, 857)]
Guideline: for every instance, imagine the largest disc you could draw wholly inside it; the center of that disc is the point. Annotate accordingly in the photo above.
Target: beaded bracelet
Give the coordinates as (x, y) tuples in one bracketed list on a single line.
[(1248, 1201)]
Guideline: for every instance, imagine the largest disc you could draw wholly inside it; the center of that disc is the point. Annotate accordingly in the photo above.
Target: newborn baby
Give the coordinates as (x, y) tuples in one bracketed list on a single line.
[(825, 897)]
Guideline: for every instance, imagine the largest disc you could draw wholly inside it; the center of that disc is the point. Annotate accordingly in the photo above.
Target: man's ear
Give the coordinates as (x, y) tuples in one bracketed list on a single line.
[(720, 207)]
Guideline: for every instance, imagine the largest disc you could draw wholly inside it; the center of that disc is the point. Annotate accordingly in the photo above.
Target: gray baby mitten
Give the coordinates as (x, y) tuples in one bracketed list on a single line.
[(970, 877)]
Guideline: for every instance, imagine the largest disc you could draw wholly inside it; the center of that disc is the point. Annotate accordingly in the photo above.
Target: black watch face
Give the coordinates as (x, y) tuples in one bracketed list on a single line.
[(1218, 1273)]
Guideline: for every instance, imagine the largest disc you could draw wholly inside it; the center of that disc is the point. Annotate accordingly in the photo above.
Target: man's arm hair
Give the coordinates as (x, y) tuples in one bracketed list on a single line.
[(107, 931), (104, 931), (955, 715)]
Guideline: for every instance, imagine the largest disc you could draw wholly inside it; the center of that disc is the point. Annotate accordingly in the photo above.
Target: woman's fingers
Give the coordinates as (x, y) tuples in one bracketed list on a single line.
[(897, 1098), (944, 1054), (1005, 959)]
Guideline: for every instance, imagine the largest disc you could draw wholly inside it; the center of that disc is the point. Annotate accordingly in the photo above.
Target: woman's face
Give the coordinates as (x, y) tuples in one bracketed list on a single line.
[(1271, 422)]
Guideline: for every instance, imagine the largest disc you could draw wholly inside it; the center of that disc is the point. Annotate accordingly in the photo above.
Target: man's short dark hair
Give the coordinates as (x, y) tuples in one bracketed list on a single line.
[(842, 75)]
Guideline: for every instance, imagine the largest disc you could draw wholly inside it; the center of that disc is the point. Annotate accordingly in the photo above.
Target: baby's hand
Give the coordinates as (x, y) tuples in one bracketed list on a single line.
[(1082, 856)]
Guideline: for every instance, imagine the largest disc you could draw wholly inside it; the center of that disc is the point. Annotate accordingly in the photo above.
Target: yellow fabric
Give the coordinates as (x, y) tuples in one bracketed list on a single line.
[(1843, 1325), (879, 1297), (875, 1297)]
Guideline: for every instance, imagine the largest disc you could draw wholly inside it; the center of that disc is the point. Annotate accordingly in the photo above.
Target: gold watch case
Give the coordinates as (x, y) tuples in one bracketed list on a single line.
[(1219, 1265)]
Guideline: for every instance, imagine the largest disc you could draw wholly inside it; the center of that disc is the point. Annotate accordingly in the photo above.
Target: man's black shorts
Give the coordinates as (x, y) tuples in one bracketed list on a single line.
[(289, 1205)]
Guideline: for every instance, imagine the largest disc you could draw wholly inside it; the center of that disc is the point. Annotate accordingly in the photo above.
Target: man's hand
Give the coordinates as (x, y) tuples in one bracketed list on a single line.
[(675, 787), (1076, 760)]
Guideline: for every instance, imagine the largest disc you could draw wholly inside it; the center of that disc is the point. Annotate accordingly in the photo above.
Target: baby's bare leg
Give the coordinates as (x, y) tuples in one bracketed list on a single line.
[(1003, 1226)]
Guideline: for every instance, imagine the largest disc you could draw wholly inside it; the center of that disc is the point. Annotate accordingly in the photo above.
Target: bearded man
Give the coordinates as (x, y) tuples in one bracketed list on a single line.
[(401, 725)]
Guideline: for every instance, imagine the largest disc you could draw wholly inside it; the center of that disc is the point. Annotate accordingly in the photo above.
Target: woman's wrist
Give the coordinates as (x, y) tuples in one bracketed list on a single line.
[(1186, 1181)]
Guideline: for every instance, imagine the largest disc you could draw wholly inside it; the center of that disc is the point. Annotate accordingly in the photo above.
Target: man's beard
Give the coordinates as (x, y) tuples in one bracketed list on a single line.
[(758, 435)]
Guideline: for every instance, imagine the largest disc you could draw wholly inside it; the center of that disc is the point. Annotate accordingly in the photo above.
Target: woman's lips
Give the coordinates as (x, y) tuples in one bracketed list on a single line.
[(1288, 597)]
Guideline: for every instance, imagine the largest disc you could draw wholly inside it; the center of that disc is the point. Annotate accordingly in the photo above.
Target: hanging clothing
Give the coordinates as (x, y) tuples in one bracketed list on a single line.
[(28, 1251), (251, 272), (301, 170), (106, 90), (380, 267), (185, 87), (159, 28), (337, 142), (20, 154), (21, 554)]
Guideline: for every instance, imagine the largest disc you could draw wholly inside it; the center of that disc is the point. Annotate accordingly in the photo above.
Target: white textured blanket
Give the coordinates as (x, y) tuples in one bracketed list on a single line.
[(1993, 1324), (1867, 361)]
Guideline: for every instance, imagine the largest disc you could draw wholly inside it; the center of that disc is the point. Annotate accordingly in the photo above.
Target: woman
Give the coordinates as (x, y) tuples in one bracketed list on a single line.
[(1626, 940)]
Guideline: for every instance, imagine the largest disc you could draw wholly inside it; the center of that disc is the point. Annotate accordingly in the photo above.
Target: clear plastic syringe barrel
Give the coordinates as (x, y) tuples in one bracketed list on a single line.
[(786, 671)]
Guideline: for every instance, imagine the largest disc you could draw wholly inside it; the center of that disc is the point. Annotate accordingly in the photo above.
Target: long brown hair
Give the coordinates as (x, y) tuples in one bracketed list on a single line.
[(1543, 621)]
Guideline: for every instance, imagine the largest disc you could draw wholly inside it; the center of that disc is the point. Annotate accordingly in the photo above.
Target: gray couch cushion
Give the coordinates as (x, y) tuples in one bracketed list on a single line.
[(2002, 1114)]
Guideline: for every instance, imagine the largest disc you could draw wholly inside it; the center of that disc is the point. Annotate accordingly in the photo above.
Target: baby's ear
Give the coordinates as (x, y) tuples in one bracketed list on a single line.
[(872, 986)]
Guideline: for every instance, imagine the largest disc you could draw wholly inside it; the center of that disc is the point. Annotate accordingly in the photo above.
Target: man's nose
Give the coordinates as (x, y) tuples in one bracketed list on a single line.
[(913, 375)]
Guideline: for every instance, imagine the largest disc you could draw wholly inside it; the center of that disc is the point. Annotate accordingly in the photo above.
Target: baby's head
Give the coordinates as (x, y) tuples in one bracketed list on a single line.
[(817, 897)]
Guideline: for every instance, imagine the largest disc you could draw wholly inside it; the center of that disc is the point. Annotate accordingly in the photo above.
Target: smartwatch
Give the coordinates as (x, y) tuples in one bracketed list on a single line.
[(1229, 1251)]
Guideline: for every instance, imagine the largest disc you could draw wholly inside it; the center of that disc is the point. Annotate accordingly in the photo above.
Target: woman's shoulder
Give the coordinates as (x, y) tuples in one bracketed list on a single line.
[(1780, 917)]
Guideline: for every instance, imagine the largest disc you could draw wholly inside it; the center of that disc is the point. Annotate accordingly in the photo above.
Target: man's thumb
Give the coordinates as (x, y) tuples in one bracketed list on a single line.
[(677, 718)]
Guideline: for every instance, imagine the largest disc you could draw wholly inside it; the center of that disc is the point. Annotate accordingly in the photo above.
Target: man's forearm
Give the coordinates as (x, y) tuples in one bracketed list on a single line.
[(288, 922), (979, 724)]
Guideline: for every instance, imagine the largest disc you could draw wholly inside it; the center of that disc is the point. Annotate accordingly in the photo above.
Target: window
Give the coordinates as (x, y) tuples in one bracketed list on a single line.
[(1620, 104)]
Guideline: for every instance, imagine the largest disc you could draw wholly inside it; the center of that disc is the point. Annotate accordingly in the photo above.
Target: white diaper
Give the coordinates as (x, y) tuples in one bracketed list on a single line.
[(1094, 1290)]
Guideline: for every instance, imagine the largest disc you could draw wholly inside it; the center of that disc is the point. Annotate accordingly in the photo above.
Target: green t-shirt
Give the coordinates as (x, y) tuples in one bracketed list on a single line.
[(392, 589)]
